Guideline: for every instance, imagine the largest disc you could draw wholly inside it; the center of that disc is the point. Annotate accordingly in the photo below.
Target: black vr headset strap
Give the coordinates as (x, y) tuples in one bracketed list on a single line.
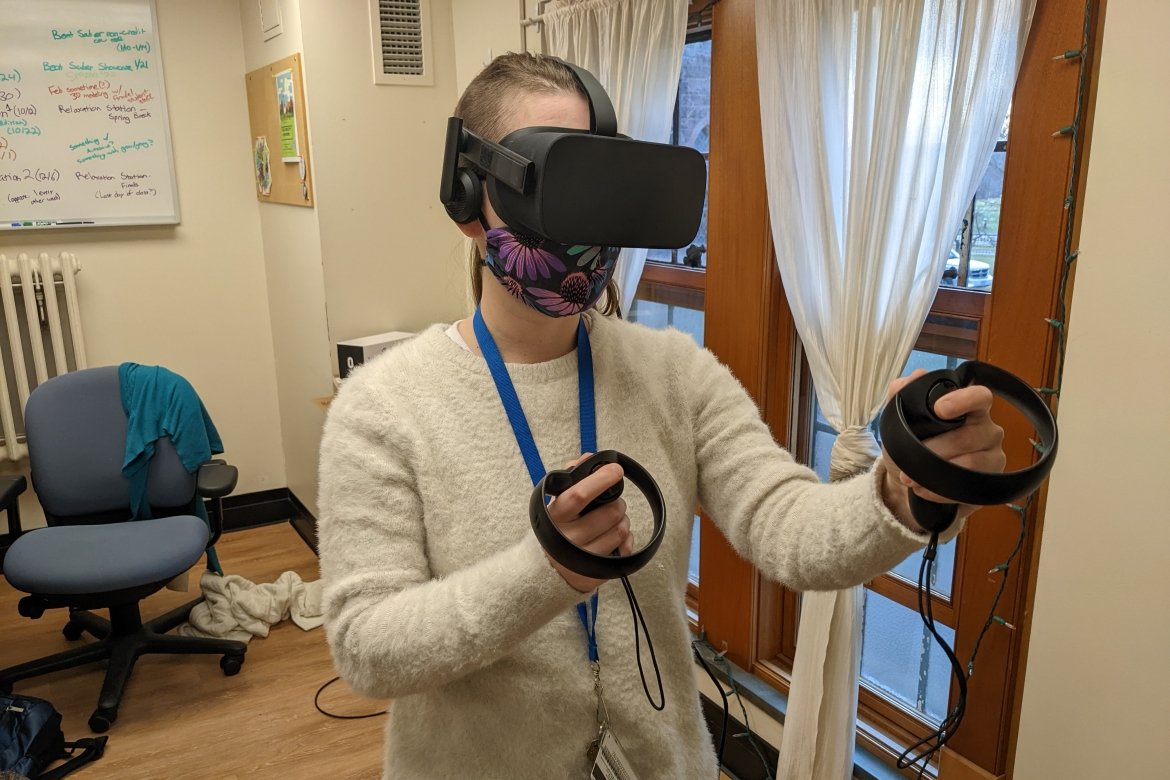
[(602, 119), (466, 157)]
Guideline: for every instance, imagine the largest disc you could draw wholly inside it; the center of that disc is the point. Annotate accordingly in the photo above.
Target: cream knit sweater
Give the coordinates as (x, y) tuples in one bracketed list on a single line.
[(437, 594)]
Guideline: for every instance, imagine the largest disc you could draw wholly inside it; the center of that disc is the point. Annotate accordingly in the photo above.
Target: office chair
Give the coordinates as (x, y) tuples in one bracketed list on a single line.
[(92, 556)]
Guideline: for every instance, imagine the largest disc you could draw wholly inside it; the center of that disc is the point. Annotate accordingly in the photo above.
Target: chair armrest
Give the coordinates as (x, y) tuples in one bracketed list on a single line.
[(10, 488), (216, 479)]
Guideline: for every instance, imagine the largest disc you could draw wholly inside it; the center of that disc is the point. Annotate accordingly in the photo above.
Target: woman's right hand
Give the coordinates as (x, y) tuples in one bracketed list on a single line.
[(601, 531)]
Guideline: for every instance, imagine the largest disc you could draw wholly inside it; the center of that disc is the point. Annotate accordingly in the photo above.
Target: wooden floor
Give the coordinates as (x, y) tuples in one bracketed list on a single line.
[(181, 719)]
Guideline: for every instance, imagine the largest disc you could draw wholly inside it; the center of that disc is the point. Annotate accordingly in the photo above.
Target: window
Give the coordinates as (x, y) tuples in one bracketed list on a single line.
[(1006, 252), (971, 262), (902, 667), (692, 127), (671, 291)]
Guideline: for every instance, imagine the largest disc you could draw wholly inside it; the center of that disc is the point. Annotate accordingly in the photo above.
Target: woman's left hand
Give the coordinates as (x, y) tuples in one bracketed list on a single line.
[(977, 444)]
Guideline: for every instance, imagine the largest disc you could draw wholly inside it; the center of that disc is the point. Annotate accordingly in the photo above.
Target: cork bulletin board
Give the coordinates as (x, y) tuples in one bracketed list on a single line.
[(280, 138)]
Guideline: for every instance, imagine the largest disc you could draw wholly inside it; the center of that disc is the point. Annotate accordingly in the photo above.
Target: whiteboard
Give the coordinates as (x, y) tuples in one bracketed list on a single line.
[(84, 135)]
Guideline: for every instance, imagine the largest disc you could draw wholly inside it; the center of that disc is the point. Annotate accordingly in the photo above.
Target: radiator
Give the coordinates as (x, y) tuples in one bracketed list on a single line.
[(42, 323)]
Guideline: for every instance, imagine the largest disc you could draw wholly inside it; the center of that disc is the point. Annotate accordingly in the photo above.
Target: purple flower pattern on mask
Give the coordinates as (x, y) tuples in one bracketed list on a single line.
[(562, 279), (522, 256), (514, 288), (576, 291)]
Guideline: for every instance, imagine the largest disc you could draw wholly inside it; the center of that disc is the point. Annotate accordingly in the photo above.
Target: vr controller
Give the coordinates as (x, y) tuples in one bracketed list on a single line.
[(594, 187), (582, 561), (909, 418)]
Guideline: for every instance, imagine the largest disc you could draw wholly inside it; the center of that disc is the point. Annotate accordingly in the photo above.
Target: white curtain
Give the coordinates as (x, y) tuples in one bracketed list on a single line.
[(879, 117), (634, 48)]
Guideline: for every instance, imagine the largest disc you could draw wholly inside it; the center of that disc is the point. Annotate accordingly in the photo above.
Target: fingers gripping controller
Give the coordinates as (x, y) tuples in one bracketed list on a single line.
[(909, 419), (570, 555)]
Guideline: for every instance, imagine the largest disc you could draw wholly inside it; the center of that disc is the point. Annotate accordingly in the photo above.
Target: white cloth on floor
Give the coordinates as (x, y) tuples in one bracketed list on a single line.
[(236, 608)]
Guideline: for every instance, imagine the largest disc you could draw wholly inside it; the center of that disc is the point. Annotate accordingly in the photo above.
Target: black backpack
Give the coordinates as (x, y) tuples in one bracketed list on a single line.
[(31, 739)]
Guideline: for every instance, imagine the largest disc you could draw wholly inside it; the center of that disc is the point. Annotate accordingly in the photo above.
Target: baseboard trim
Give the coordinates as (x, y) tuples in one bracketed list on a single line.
[(268, 507), (262, 507), (304, 523)]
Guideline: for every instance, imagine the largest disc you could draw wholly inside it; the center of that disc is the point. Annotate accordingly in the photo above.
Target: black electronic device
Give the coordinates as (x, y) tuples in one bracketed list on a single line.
[(582, 561), (604, 567), (909, 418), (594, 187)]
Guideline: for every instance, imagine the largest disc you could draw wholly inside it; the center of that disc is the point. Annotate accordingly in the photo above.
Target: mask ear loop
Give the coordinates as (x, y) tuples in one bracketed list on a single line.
[(483, 224)]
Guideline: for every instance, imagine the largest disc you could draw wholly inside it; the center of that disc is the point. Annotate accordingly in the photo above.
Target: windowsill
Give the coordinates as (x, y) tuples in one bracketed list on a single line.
[(774, 705)]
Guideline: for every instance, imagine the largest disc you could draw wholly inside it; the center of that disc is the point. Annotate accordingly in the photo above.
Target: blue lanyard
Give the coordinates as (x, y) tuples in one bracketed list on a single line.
[(524, 438)]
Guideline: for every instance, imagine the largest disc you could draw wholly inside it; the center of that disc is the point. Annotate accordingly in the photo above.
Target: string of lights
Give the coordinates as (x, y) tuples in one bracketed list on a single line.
[(1074, 133)]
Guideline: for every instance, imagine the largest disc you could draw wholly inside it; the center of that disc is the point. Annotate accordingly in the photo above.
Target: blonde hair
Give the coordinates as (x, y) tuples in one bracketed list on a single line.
[(483, 108)]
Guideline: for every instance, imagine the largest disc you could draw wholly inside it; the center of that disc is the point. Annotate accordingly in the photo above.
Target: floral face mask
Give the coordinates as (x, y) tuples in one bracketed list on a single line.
[(555, 279)]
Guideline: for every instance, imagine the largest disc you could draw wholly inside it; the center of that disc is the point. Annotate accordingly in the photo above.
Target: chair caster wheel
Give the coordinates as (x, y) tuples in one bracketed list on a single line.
[(231, 664), (30, 607), (72, 631), (101, 720)]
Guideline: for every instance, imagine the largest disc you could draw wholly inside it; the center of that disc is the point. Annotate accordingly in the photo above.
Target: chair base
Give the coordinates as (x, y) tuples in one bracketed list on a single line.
[(121, 639)]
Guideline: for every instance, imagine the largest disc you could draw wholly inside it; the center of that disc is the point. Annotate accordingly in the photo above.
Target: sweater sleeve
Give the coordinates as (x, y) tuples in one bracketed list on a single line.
[(392, 627), (776, 512)]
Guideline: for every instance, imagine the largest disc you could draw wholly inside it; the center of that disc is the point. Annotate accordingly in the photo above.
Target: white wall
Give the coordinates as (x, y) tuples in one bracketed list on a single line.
[(482, 29), (1096, 684), (192, 297), (391, 256), (295, 278)]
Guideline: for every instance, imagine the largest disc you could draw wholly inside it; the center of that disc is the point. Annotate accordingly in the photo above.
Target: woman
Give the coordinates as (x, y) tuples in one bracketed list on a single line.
[(437, 593)]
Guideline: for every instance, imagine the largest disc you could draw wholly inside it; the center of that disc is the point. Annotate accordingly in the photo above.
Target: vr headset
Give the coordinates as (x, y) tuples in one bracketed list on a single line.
[(592, 187)]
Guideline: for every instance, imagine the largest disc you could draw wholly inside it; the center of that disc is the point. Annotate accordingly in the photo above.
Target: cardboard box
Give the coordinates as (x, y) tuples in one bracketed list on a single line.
[(354, 352)]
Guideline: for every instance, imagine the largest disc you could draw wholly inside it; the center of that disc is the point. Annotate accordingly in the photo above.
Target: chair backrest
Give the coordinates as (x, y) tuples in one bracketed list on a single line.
[(76, 430)]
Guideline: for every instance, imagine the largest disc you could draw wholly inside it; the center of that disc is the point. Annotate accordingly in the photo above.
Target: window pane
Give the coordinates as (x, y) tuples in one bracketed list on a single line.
[(985, 223), (942, 575), (692, 127), (662, 315), (693, 569), (971, 260), (900, 659), (694, 97)]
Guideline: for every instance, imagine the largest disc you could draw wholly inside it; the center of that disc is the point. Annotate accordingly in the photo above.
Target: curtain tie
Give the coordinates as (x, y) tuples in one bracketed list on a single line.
[(854, 452)]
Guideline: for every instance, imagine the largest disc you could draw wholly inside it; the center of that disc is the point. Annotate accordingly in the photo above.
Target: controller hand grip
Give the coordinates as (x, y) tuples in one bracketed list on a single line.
[(590, 465), (917, 401)]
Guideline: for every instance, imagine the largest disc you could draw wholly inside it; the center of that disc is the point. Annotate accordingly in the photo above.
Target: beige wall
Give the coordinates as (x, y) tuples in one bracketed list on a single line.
[(390, 253), (192, 297), (482, 29), (1096, 685), (295, 282), (377, 253)]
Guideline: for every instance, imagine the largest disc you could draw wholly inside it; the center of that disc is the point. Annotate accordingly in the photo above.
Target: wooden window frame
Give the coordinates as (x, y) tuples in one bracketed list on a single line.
[(749, 327)]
